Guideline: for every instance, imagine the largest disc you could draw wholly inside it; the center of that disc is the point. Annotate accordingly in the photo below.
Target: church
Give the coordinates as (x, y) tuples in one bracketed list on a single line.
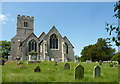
[(47, 46)]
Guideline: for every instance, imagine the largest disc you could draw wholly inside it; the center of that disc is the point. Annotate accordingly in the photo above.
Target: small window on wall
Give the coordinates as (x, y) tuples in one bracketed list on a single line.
[(25, 24)]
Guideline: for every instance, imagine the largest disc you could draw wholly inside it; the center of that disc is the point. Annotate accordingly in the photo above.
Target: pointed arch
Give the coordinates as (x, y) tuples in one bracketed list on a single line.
[(32, 45), (53, 41)]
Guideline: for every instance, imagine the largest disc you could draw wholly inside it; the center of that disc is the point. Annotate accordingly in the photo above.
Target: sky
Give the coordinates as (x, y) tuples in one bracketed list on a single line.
[(82, 22)]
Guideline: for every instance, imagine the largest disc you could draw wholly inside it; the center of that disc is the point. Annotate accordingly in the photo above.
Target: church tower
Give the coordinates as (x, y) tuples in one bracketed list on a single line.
[(25, 25)]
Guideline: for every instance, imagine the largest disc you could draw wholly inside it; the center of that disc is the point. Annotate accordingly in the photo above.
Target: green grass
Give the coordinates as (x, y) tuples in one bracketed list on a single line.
[(51, 73)]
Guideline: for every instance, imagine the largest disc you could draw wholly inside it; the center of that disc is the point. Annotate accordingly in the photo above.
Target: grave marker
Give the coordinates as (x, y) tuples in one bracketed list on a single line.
[(96, 71), (79, 72), (37, 69), (67, 66)]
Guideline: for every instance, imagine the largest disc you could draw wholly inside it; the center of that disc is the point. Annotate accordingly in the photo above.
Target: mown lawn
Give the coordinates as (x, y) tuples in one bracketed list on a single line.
[(51, 73)]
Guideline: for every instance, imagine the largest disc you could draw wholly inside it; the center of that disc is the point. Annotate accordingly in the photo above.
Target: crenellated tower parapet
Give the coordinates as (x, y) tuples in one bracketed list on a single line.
[(25, 25)]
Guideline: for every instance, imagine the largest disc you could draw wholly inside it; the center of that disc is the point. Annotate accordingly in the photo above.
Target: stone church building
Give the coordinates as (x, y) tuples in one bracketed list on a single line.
[(50, 45)]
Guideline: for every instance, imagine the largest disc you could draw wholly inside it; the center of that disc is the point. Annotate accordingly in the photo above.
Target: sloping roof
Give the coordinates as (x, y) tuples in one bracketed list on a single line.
[(29, 36), (53, 29), (41, 37), (65, 38)]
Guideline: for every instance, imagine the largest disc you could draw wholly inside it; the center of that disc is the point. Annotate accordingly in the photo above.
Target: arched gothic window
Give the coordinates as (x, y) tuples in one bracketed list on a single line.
[(53, 42), (32, 45), (66, 46)]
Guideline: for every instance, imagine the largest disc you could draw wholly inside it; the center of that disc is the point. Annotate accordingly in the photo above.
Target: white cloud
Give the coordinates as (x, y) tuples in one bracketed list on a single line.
[(5, 18), (2, 17)]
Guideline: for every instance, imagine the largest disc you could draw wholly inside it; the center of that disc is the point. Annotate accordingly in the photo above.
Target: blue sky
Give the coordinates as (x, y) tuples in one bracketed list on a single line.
[(83, 23)]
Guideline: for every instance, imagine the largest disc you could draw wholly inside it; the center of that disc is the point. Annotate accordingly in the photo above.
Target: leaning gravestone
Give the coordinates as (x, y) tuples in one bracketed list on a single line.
[(37, 69), (79, 72), (96, 71), (67, 66)]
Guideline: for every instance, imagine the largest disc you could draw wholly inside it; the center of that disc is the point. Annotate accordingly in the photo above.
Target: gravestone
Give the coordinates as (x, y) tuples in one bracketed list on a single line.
[(67, 66), (75, 60), (106, 63), (10, 58), (88, 61), (79, 72), (55, 64), (37, 69), (47, 59), (21, 66), (19, 62), (96, 71), (100, 62)]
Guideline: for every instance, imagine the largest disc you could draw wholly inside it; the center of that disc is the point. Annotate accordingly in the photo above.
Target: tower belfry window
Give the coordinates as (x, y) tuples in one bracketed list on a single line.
[(25, 24)]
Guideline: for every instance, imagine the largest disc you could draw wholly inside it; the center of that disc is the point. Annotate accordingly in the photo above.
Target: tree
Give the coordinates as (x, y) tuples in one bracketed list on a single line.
[(110, 28), (5, 48), (99, 51), (116, 57)]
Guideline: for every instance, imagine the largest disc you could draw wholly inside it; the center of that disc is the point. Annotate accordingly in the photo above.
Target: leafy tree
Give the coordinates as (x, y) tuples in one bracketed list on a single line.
[(114, 29), (116, 57), (5, 47), (99, 51)]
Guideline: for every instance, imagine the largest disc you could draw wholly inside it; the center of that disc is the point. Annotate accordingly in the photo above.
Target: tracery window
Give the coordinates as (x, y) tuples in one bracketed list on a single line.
[(53, 42), (32, 45)]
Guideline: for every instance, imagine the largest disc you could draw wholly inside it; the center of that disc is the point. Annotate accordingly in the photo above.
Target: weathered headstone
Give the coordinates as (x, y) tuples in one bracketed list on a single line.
[(75, 60), (106, 63), (37, 69), (10, 58), (55, 64), (79, 72), (67, 66), (100, 62), (19, 63), (96, 71), (21, 66), (47, 59), (88, 61)]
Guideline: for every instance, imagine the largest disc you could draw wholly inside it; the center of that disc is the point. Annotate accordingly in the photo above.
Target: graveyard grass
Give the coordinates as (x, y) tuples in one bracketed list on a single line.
[(51, 73)]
